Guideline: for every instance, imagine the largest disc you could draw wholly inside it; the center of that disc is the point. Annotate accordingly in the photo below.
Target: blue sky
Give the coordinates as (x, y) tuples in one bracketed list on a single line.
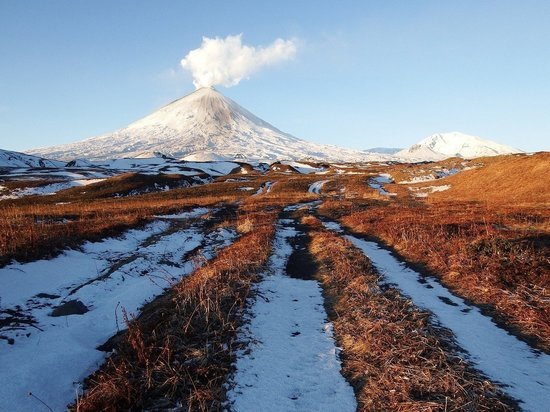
[(367, 73)]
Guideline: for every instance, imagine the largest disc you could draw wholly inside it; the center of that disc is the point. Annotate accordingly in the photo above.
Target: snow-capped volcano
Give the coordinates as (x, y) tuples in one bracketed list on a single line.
[(204, 125), (454, 144)]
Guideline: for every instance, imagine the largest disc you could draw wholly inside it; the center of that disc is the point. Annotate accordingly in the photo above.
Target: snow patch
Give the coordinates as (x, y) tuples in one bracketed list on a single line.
[(378, 183), (316, 187), (106, 277)]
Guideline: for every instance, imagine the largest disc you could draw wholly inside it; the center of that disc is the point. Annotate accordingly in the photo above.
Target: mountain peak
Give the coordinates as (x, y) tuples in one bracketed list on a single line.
[(202, 122), (454, 144)]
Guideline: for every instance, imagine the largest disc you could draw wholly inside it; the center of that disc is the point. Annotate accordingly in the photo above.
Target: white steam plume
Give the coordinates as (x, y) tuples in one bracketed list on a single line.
[(227, 61)]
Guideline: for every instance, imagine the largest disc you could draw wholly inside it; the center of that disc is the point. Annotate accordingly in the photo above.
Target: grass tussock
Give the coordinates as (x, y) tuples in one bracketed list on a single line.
[(393, 356), (496, 257), (179, 351)]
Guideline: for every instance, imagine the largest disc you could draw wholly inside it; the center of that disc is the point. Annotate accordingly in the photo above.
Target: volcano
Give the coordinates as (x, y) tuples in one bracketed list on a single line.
[(204, 125), (453, 144)]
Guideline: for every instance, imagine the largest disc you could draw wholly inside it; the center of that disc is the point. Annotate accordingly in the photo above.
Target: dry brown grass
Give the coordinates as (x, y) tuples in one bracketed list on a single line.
[(495, 257), (511, 180), (40, 226), (180, 350), (392, 355), (32, 228)]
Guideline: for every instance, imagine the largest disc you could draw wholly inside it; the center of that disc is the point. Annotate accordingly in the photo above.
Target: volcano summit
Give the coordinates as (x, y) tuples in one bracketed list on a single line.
[(204, 125)]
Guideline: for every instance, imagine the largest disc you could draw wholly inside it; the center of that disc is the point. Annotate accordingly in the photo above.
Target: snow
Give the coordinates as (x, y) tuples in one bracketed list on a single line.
[(424, 191), (378, 183), (214, 168), (199, 211), (437, 174), (290, 361), (50, 189), (16, 159), (206, 156), (264, 188), (441, 188), (316, 187), (453, 144), (204, 125), (304, 168), (419, 179), (524, 372), (108, 168), (51, 359)]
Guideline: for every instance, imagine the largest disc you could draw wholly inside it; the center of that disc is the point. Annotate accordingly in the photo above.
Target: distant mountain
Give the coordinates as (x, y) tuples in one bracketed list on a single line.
[(384, 150), (17, 159), (204, 125), (454, 144)]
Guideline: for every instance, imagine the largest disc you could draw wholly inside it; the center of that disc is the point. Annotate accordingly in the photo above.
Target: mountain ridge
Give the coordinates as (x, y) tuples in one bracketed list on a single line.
[(10, 159), (441, 146)]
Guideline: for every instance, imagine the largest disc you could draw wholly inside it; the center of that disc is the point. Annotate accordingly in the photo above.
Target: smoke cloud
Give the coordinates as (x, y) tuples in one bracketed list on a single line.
[(227, 61)]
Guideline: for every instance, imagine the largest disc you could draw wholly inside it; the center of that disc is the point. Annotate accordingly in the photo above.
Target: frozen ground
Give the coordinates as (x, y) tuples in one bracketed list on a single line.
[(304, 168), (50, 189), (378, 183), (524, 372), (290, 362), (264, 188), (49, 356), (316, 187), (423, 191)]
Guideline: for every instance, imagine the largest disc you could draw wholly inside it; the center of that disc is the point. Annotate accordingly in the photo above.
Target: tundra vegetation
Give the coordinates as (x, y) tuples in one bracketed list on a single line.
[(483, 232)]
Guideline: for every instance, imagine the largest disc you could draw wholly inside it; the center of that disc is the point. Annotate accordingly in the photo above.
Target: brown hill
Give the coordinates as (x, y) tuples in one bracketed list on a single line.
[(514, 179)]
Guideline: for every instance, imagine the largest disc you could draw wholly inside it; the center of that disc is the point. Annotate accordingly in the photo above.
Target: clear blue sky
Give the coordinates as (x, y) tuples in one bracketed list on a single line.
[(367, 73)]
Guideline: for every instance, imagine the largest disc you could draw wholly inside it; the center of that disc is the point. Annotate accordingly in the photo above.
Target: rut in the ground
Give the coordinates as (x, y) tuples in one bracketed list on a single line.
[(289, 361), (523, 371)]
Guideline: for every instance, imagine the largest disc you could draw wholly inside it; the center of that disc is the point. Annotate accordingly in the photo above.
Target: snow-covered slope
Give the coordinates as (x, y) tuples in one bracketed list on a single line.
[(204, 125), (17, 159), (454, 144), (384, 150)]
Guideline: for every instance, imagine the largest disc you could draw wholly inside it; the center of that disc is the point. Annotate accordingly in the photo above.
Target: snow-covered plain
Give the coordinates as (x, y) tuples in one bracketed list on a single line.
[(290, 362), (524, 372), (52, 355)]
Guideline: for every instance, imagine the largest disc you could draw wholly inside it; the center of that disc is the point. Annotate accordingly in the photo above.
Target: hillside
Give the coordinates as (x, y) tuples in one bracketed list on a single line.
[(505, 179), (17, 159)]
